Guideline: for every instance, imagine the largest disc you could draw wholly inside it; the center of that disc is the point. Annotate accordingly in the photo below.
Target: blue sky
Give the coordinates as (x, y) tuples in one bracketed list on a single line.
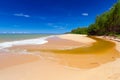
[(49, 16)]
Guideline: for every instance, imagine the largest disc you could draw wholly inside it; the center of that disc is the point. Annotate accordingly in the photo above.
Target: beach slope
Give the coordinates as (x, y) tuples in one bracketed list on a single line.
[(42, 69)]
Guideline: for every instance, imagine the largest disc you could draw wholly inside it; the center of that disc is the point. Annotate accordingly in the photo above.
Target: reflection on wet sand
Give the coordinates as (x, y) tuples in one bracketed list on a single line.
[(102, 51)]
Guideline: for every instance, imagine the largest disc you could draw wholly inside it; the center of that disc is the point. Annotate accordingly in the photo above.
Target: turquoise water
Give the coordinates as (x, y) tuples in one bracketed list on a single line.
[(15, 37)]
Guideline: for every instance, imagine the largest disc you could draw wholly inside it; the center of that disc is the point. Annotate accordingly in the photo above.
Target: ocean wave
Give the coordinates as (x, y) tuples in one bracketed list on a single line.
[(37, 41)]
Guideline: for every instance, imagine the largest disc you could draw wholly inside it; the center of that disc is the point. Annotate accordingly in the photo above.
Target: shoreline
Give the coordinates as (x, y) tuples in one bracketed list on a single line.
[(64, 42), (115, 40), (40, 68), (36, 41)]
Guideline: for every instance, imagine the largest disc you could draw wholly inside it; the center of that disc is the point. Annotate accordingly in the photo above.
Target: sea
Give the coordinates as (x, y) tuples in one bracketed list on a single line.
[(16, 37), (8, 40)]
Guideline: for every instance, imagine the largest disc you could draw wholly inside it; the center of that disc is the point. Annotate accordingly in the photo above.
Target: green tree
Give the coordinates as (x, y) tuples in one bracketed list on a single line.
[(80, 30), (105, 24)]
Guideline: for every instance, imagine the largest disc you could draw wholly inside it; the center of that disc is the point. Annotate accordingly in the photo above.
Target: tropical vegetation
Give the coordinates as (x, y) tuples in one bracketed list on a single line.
[(107, 23)]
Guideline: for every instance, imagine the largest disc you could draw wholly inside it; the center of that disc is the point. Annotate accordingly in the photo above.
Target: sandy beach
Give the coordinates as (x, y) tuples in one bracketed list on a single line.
[(44, 66)]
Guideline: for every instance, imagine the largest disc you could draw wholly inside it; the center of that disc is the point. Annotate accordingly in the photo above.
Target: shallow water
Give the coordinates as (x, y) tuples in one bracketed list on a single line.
[(99, 47), (16, 37), (102, 51)]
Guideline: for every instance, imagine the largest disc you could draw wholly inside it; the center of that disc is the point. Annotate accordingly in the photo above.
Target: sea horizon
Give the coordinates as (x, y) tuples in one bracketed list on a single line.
[(26, 33), (60, 40)]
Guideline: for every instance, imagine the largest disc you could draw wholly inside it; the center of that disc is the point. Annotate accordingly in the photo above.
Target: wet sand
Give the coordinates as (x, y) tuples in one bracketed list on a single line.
[(42, 69), (53, 43), (75, 54), (101, 52), (9, 59)]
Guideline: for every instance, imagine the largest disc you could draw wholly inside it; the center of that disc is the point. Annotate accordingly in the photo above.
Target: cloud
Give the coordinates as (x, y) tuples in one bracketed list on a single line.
[(85, 14), (21, 15)]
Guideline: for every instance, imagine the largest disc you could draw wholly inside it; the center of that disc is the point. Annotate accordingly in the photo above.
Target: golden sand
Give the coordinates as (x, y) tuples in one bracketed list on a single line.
[(102, 51), (76, 54), (9, 60), (38, 68)]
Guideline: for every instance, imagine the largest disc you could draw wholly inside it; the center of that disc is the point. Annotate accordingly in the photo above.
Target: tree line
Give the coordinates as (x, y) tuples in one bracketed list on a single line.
[(107, 23)]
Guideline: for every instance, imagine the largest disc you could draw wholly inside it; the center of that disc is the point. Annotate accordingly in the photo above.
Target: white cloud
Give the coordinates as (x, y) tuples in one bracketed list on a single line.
[(85, 14), (21, 15)]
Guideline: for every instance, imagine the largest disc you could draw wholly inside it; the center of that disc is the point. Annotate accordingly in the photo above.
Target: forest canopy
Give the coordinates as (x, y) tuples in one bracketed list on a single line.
[(107, 23)]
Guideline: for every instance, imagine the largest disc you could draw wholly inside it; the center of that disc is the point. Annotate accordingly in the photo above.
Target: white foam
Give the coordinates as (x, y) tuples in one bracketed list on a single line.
[(24, 42)]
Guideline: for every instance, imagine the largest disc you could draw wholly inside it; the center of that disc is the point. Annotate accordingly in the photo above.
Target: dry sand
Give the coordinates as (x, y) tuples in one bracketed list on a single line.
[(41, 69), (76, 37)]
